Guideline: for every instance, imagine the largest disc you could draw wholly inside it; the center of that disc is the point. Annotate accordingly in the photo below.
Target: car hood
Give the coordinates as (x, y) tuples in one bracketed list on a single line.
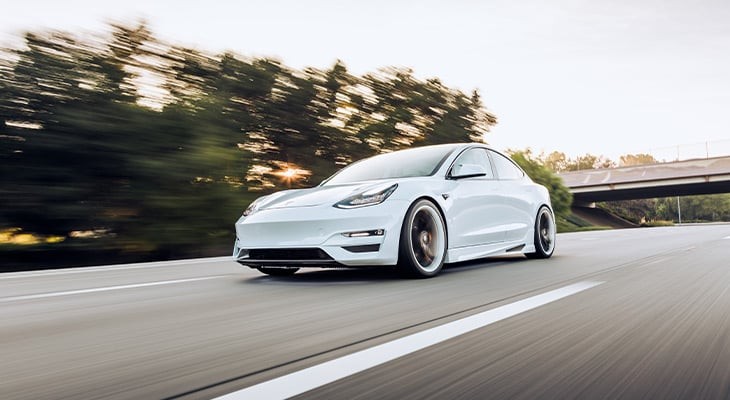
[(316, 196)]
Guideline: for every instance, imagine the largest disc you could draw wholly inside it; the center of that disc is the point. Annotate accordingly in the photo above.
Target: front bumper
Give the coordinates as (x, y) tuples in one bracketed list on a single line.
[(315, 236)]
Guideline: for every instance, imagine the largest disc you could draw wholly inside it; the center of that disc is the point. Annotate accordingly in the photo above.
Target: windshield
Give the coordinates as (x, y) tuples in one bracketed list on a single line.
[(422, 161)]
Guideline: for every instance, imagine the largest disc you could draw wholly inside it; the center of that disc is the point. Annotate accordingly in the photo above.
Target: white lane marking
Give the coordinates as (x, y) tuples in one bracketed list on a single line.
[(102, 289), (654, 262), (313, 377), (115, 267)]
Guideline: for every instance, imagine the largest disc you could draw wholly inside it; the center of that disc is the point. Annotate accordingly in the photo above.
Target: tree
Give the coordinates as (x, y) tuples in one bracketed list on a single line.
[(556, 161), (481, 120), (340, 107), (627, 160), (45, 168), (715, 207), (636, 210), (560, 196), (132, 141), (588, 161)]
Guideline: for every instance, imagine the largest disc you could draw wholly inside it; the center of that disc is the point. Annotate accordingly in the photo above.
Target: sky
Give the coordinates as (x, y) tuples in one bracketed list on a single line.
[(599, 77)]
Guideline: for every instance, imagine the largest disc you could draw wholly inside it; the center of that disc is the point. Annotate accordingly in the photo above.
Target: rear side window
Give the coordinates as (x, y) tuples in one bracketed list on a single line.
[(506, 169)]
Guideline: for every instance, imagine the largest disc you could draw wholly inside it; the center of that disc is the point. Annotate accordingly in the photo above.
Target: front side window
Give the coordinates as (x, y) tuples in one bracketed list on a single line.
[(506, 169), (475, 157)]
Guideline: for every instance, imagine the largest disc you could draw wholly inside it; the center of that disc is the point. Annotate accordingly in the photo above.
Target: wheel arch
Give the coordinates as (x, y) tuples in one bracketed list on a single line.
[(543, 204)]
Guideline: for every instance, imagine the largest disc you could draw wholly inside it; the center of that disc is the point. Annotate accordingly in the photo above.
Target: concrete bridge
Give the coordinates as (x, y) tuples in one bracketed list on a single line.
[(680, 178)]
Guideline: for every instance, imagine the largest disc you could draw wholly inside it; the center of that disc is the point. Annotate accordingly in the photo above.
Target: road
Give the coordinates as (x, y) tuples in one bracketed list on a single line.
[(639, 313)]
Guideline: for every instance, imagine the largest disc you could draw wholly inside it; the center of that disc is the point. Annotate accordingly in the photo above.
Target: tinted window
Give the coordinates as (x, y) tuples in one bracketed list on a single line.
[(422, 161), (476, 156), (506, 169)]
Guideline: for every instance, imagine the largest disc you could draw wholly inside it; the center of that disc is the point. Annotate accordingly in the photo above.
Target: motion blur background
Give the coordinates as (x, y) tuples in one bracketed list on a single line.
[(123, 147), (121, 144)]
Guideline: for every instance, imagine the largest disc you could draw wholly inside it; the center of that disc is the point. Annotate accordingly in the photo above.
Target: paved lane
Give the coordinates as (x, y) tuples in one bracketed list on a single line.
[(658, 326)]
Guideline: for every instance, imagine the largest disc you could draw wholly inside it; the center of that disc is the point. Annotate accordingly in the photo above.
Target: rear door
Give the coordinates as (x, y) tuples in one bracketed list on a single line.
[(514, 198)]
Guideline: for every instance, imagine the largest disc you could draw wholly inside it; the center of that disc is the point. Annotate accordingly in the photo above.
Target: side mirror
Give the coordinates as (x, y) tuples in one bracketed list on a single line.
[(460, 171)]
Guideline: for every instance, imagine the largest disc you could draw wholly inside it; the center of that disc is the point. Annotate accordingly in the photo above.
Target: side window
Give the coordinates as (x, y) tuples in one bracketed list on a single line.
[(474, 157), (506, 169)]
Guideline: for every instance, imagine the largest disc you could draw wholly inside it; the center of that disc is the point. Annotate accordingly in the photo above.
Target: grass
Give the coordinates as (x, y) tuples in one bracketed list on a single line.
[(573, 223), (652, 224)]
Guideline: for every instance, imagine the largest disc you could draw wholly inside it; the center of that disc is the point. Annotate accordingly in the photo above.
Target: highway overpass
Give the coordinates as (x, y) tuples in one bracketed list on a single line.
[(680, 178)]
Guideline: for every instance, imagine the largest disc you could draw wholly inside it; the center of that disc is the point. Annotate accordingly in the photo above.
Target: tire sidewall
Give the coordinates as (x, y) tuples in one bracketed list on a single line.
[(539, 251), (407, 262)]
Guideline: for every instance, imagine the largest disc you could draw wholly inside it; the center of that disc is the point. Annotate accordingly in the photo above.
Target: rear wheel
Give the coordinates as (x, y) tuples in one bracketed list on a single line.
[(278, 271), (422, 241), (544, 234)]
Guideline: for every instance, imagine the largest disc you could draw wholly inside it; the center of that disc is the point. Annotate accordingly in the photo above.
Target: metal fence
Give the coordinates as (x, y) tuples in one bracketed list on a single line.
[(709, 149)]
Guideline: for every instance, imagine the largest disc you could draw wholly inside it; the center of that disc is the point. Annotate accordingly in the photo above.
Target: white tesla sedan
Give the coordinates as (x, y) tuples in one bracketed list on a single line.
[(416, 209)]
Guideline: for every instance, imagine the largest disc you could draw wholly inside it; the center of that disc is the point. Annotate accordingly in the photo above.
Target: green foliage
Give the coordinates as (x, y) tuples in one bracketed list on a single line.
[(702, 208), (157, 149), (627, 160), (559, 162), (589, 161), (650, 212), (573, 223), (647, 212), (657, 223), (560, 196), (637, 211), (563, 225), (577, 221), (556, 161)]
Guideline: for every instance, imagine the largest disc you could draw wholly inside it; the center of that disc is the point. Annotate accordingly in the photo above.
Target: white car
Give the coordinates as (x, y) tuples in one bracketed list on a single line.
[(416, 209)]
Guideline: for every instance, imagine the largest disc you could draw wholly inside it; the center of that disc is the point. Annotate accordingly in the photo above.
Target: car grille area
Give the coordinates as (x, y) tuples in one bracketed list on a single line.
[(286, 257)]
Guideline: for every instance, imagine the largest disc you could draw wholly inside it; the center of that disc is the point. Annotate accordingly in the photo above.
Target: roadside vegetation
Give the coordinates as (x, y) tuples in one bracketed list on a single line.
[(120, 147), (560, 195), (641, 212)]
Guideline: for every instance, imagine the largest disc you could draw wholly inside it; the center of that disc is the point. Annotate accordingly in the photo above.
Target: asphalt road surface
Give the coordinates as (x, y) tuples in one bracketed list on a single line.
[(642, 313)]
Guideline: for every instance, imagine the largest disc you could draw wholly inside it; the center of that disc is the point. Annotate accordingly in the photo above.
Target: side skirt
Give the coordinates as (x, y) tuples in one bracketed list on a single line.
[(486, 250)]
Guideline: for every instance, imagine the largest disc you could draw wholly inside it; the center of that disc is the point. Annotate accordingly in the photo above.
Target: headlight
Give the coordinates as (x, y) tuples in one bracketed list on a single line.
[(253, 207), (367, 198)]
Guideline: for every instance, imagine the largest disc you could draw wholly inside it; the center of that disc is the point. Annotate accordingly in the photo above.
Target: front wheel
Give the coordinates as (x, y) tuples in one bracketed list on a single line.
[(278, 271), (422, 241), (545, 231)]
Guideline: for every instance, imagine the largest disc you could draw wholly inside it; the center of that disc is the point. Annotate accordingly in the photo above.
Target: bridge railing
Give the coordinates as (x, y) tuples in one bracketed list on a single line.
[(708, 149)]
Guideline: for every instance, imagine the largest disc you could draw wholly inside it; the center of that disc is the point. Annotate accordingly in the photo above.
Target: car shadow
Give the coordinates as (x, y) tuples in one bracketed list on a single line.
[(482, 263), (367, 275), (338, 276)]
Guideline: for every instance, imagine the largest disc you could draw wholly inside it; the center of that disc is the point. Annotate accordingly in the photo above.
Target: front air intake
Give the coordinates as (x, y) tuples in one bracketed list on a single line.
[(307, 254)]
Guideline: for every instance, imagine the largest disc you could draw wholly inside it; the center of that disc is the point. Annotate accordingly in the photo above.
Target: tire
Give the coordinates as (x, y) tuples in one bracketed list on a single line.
[(544, 237), (423, 240), (278, 271)]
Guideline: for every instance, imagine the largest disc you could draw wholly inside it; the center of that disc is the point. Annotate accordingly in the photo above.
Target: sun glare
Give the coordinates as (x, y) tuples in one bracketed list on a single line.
[(289, 173)]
